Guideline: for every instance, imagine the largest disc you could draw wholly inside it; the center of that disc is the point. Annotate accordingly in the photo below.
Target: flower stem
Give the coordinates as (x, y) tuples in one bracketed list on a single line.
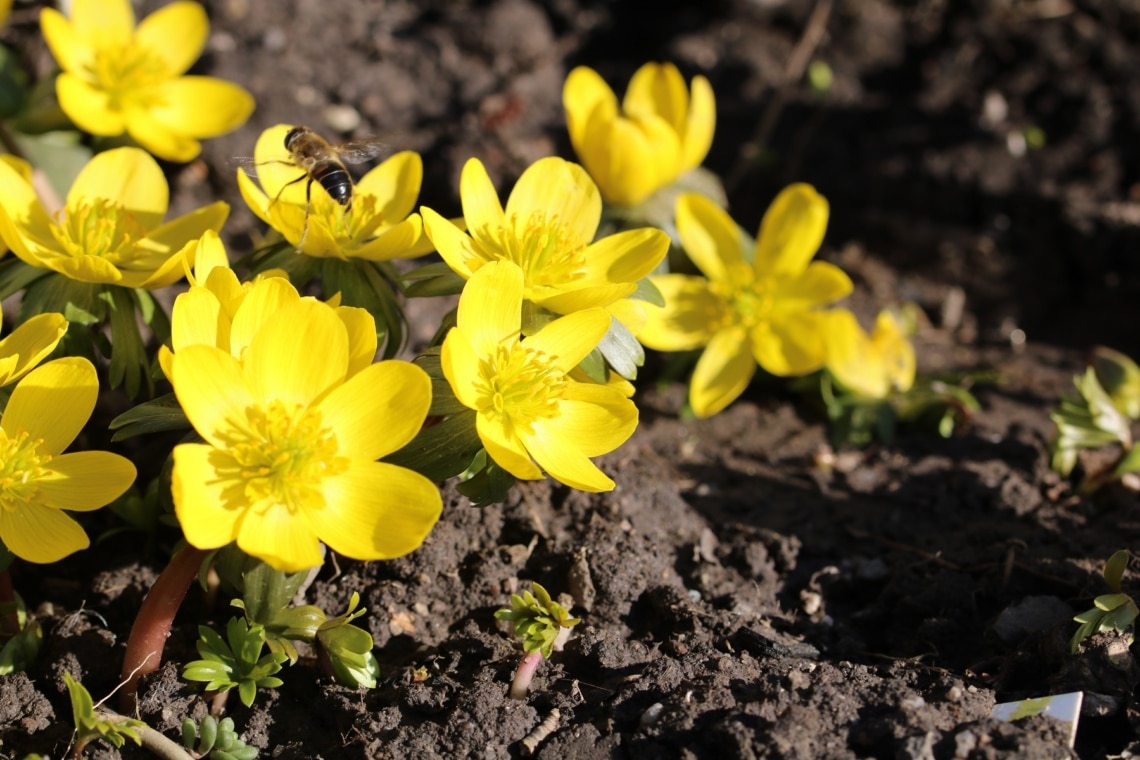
[(9, 621), (524, 675), (152, 625)]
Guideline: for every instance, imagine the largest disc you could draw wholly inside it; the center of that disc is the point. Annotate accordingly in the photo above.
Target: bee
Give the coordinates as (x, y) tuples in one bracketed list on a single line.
[(324, 162)]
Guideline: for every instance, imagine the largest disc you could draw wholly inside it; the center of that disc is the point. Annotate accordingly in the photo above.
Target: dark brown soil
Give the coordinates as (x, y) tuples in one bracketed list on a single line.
[(746, 601)]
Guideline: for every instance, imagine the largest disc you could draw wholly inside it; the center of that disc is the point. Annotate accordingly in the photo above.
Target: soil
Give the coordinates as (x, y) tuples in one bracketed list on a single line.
[(743, 592)]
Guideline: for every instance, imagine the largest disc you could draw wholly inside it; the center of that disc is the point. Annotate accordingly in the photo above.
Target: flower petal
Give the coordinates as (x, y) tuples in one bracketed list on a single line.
[(563, 462), (159, 138), (791, 232), (196, 320), (568, 339), (103, 23), (205, 513), (86, 480), (691, 314), (30, 343), (378, 410), (580, 299), (453, 244), (490, 307), (792, 345), (284, 539), (211, 389), (481, 208), (460, 366), (362, 342), (125, 176), (586, 95), (377, 510), (277, 370), (505, 448), (395, 184), (629, 255), (595, 419), (265, 299), (201, 107), (36, 533), (820, 284), (722, 373), (88, 106), (709, 236), (71, 49), (53, 402), (553, 188), (658, 89), (19, 201), (176, 33), (700, 126), (396, 242)]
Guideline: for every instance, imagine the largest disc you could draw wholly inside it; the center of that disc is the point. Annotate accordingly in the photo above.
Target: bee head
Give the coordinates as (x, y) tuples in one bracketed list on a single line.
[(293, 135)]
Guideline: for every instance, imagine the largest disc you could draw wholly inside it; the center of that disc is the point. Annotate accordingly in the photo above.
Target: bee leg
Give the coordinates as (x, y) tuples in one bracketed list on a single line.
[(305, 226)]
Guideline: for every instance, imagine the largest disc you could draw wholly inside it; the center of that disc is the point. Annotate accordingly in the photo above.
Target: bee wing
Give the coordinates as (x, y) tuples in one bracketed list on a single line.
[(251, 164), (359, 151)]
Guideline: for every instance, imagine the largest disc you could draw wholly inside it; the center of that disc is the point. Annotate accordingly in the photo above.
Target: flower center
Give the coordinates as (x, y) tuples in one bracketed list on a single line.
[(128, 74), (279, 455), (21, 469), (99, 227), (548, 255), (748, 300), (519, 383)]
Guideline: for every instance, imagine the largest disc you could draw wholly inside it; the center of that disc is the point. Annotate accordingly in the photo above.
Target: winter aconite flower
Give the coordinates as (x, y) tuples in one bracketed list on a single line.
[(379, 226), (121, 78), (291, 442), (29, 344), (45, 413), (218, 310), (547, 230), (531, 416), (759, 306), (111, 229), (870, 366), (660, 131)]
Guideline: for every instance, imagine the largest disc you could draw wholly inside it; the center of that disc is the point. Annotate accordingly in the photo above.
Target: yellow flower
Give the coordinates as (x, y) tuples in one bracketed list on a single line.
[(547, 227), (219, 311), (872, 366), (121, 78), (29, 344), (111, 228), (380, 226), (47, 410), (292, 438), (759, 309), (528, 408), (660, 132)]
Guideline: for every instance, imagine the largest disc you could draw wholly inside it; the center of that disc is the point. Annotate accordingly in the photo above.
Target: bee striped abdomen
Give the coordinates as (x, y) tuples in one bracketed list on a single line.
[(335, 180)]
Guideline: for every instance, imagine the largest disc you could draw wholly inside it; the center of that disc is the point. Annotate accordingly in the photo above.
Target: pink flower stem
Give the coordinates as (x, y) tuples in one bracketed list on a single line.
[(152, 625), (524, 675)]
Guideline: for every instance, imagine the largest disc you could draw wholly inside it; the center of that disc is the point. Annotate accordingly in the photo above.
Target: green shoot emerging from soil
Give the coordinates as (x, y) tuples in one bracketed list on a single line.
[(543, 625), (215, 739), (236, 662), (91, 726), (1111, 612)]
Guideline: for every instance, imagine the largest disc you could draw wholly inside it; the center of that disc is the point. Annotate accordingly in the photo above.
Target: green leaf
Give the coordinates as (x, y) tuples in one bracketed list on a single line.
[(442, 450), (129, 360), (1120, 378), (446, 284), (59, 155), (159, 415), (443, 400), (621, 351), (488, 484), (1115, 567), (15, 276)]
